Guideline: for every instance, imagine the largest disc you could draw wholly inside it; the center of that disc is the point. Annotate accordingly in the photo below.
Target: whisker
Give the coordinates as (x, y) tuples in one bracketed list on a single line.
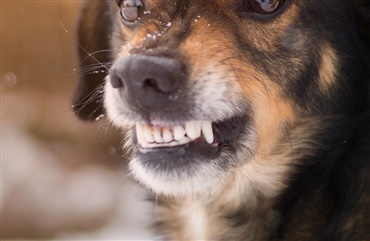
[(156, 204), (290, 141), (89, 68), (206, 209), (96, 52), (93, 95), (179, 209), (80, 46)]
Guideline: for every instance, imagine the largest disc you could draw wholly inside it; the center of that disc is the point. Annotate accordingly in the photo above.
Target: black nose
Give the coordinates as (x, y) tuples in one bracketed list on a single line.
[(147, 82)]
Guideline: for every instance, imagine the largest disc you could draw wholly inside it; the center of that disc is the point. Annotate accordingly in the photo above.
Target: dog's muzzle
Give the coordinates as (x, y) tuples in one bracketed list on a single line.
[(172, 134)]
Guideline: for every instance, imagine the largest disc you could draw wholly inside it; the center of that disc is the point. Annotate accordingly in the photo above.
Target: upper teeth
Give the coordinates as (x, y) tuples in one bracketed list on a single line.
[(153, 137)]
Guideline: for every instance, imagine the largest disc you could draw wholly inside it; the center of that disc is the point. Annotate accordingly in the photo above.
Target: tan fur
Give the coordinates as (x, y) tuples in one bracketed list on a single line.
[(256, 87), (266, 36), (328, 68)]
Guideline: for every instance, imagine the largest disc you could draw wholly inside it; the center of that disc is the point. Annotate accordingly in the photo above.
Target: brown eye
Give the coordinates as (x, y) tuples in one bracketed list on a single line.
[(130, 10), (263, 6)]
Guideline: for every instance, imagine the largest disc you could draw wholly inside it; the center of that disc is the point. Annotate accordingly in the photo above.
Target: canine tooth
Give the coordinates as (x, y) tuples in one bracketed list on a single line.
[(193, 129), (178, 132), (157, 135), (207, 131), (148, 135), (167, 135), (140, 133)]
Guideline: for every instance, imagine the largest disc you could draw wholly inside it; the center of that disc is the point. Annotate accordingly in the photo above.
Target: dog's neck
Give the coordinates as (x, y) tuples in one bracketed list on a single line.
[(249, 191), (247, 198), (196, 217)]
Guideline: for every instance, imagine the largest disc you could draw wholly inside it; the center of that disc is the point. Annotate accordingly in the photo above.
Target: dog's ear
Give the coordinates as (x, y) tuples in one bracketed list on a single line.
[(94, 31)]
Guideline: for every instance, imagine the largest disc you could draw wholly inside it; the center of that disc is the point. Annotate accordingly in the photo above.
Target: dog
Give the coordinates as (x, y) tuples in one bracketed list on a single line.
[(248, 119)]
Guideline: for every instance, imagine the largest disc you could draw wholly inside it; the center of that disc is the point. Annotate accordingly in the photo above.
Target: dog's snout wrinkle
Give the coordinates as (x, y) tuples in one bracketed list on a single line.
[(146, 82)]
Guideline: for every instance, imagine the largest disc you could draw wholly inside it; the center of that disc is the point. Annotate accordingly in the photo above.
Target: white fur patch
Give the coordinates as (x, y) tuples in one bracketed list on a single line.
[(195, 226), (118, 113), (176, 184)]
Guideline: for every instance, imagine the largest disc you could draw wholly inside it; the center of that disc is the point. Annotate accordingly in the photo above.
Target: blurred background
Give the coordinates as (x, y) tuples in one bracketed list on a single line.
[(61, 179)]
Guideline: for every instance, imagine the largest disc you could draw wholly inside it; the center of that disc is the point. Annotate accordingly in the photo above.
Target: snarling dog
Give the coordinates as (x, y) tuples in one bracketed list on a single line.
[(248, 118)]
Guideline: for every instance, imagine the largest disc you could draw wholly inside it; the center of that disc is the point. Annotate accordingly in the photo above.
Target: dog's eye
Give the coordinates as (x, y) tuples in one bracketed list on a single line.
[(130, 10), (262, 6)]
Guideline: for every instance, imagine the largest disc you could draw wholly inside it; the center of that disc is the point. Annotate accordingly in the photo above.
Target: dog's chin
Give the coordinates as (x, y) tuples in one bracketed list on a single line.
[(178, 170), (191, 161), (176, 182)]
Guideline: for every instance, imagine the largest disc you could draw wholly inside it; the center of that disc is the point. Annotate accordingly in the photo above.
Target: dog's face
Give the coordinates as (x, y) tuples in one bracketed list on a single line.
[(208, 86)]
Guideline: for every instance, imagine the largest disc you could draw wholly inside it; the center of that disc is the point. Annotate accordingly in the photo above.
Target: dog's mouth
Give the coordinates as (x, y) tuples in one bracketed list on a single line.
[(186, 157), (190, 138)]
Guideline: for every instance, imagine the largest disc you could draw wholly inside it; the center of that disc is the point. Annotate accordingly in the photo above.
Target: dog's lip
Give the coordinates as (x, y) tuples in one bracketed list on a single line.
[(165, 137)]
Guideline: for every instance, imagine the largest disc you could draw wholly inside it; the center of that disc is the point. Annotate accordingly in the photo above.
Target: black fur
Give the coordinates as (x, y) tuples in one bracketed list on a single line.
[(95, 31), (342, 155)]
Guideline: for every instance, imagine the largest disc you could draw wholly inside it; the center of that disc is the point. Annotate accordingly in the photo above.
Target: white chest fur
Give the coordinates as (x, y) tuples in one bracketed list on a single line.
[(195, 221)]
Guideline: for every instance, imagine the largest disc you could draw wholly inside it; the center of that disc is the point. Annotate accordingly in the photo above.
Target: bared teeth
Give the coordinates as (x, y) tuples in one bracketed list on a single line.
[(193, 129), (178, 132), (148, 135), (184, 141), (167, 135), (157, 135), (207, 131), (154, 137), (140, 133)]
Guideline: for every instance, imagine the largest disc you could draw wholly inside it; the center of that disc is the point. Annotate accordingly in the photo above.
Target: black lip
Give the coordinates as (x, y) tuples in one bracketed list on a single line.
[(229, 129), (179, 158)]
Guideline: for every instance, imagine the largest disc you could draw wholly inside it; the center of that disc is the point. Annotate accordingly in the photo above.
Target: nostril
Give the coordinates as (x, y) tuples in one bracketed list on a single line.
[(151, 83), (115, 80), (116, 83)]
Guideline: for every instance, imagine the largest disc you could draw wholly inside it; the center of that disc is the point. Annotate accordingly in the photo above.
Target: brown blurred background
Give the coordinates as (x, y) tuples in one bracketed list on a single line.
[(61, 178)]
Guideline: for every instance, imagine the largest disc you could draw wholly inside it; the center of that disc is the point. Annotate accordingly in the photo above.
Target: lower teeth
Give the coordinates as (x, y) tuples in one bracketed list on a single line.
[(183, 141)]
